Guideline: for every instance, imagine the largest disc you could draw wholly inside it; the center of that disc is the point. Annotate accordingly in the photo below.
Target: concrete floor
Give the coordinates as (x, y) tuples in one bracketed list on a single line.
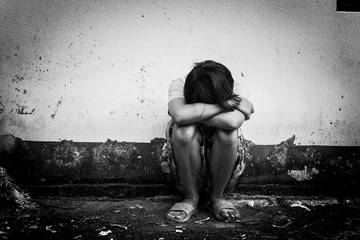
[(263, 217)]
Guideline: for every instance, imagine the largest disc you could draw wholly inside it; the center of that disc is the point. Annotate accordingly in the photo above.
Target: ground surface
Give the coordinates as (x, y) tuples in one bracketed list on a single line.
[(262, 218)]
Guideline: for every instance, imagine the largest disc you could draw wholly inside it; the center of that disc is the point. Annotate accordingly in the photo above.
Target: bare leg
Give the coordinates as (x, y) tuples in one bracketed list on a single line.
[(222, 163), (185, 143)]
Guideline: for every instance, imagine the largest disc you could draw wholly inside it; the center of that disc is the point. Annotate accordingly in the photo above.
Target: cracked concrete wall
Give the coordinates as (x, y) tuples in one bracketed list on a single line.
[(97, 70)]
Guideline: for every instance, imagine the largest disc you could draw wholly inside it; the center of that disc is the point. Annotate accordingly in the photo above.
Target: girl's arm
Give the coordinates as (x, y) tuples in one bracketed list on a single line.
[(226, 120), (246, 107), (183, 113)]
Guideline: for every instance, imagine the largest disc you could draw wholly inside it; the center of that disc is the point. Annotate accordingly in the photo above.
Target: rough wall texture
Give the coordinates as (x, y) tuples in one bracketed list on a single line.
[(69, 162), (96, 70), (123, 162)]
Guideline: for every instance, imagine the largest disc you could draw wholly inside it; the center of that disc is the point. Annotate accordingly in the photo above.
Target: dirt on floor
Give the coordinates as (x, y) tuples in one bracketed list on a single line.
[(265, 218)]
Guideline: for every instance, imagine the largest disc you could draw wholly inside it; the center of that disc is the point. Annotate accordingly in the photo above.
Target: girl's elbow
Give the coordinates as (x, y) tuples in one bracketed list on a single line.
[(178, 119), (237, 122)]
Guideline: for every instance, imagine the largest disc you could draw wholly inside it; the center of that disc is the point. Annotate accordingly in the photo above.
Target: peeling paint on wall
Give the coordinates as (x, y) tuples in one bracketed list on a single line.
[(286, 159), (302, 175), (279, 156), (112, 161)]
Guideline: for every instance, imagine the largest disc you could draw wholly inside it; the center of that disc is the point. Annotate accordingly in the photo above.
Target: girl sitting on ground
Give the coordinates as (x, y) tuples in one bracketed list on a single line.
[(205, 148)]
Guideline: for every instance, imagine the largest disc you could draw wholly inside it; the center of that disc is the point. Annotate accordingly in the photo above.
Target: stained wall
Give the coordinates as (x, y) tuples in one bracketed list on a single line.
[(95, 70)]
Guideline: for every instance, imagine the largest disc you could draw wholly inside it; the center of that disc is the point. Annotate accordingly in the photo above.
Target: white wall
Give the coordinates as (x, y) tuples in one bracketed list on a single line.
[(93, 70)]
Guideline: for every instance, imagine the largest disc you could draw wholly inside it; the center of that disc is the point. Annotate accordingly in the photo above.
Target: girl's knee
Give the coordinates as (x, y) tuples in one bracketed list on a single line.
[(227, 137), (185, 134)]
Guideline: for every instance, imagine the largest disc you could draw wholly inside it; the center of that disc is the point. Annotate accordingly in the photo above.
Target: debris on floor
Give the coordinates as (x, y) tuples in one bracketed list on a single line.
[(202, 220), (104, 233), (299, 204), (118, 225), (82, 218)]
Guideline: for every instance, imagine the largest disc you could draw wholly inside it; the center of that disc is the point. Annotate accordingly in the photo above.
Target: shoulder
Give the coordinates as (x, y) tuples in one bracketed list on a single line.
[(177, 83), (176, 88)]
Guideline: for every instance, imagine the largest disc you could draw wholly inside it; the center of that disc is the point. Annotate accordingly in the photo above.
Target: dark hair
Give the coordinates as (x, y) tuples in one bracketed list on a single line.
[(210, 82)]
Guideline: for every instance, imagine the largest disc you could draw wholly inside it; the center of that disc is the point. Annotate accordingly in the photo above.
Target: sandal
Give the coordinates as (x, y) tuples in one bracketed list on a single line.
[(186, 208), (221, 205)]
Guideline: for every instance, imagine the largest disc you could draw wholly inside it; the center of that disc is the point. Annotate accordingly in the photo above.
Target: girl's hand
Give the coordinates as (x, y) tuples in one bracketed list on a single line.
[(246, 107)]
